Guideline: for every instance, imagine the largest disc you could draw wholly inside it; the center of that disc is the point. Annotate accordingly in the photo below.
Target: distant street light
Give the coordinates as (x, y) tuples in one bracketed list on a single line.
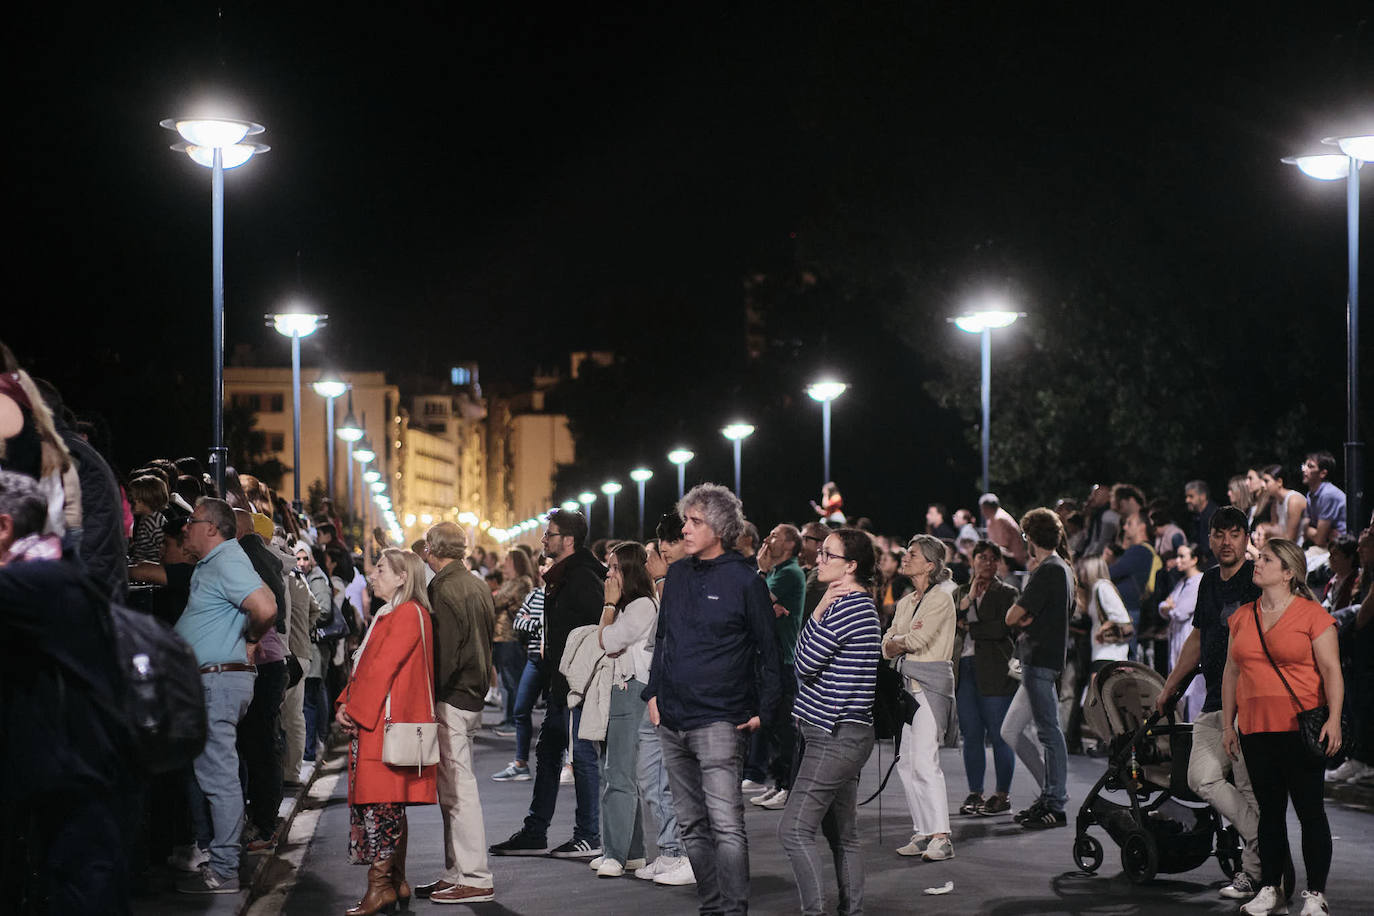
[(641, 476), (680, 457), (217, 144), (586, 499), (610, 488), (825, 392), (350, 432), (330, 387), (296, 325), (570, 506), (1332, 167), (982, 323), (737, 433)]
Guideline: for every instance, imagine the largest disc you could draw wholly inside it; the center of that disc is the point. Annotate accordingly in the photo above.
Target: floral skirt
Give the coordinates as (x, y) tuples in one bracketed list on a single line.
[(372, 829)]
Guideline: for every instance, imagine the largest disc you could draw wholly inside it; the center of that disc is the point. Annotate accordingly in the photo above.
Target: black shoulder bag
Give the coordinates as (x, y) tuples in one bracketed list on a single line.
[(1310, 721)]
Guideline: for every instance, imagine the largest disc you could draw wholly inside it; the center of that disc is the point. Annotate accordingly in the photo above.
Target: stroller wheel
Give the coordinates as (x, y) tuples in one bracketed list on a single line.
[(1087, 853), (1139, 857), (1229, 847)]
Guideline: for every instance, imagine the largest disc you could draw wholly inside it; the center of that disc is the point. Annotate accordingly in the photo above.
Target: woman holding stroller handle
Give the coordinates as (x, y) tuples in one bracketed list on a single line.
[(1283, 659)]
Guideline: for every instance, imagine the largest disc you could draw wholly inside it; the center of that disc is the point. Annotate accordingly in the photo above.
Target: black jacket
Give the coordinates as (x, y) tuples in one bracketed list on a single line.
[(104, 549), (268, 565), (574, 591)]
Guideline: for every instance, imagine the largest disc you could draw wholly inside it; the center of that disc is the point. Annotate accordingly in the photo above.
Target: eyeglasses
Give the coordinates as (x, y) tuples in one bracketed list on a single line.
[(812, 537), (548, 535), (826, 556), (198, 521)]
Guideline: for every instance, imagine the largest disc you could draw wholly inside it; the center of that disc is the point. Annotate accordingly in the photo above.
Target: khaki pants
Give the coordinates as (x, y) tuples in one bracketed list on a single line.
[(1207, 770), (293, 725), (465, 835)]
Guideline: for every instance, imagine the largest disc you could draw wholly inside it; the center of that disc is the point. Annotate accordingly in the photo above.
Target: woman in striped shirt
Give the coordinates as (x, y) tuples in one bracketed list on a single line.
[(837, 656)]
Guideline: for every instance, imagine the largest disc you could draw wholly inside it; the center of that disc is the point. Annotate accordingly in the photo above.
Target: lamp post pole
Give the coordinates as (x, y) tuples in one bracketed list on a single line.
[(680, 457), (981, 323), (641, 476), (825, 392), (736, 433)]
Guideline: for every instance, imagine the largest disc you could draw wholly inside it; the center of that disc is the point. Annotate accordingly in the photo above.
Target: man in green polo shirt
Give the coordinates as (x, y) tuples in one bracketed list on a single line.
[(777, 559)]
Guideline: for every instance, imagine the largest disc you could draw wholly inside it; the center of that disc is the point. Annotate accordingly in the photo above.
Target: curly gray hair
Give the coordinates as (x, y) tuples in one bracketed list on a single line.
[(721, 509)]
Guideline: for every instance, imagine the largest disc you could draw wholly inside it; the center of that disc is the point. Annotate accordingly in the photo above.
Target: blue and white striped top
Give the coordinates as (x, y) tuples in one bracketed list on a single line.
[(837, 664), (530, 619)]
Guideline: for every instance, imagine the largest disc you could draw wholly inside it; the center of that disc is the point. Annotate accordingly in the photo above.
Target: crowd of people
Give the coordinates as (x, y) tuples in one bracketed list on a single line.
[(683, 677)]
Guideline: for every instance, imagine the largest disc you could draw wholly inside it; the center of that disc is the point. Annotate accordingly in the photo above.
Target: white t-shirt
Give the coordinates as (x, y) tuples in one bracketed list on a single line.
[(1105, 604)]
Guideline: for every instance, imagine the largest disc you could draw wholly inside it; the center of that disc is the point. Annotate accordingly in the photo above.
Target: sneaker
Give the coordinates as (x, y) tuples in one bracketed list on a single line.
[(307, 770), (679, 875), (995, 804), (1267, 901), (657, 867), (463, 893), (1314, 904), (750, 785), (1035, 809), (938, 849), (260, 844), (566, 778), (916, 847), (520, 844), (761, 798), (610, 868), (1242, 887), (1344, 771), (631, 865), (576, 849), (188, 858), (504, 731), (776, 802), (972, 803), (493, 698), (514, 772), (1362, 774), (206, 881), (1044, 819)]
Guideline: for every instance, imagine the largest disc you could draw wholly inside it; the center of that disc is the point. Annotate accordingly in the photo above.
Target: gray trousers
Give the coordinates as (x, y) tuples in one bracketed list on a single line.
[(622, 825), (704, 768)]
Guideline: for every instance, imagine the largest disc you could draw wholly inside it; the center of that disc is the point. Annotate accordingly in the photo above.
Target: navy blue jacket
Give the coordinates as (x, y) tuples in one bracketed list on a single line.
[(716, 653)]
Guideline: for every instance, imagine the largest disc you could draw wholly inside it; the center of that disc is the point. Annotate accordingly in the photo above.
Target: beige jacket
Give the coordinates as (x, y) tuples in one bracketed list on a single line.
[(934, 640)]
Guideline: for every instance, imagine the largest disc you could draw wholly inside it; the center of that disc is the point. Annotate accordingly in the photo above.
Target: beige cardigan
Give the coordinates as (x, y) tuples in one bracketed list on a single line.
[(934, 641)]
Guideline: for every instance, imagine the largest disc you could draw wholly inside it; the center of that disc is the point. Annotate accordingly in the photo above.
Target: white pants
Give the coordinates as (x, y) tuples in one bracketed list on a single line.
[(465, 834), (922, 778)]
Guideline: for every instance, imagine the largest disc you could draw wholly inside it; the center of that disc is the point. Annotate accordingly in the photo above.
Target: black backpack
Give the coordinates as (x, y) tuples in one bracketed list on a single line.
[(893, 709)]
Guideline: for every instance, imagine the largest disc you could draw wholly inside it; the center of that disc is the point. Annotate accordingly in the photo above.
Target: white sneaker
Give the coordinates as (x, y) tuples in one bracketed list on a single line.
[(1314, 904), (565, 778), (916, 847), (307, 770), (1267, 903), (750, 786), (938, 849), (763, 797), (656, 867), (1242, 887), (679, 875), (776, 802), (1342, 772), (188, 858), (631, 865), (610, 868), (594, 864), (1362, 774)]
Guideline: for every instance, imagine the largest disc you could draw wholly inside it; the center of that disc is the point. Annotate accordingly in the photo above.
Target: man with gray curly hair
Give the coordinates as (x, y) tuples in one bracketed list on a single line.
[(714, 680)]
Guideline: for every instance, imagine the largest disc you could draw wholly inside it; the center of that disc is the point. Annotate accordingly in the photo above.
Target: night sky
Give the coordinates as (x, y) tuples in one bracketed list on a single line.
[(451, 182)]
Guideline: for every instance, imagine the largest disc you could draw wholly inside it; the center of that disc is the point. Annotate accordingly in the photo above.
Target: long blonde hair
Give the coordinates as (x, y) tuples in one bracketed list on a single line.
[(1293, 560), (407, 564)]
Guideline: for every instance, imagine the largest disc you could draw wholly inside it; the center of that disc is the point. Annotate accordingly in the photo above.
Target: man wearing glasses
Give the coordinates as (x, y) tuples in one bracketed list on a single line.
[(574, 589), (813, 534)]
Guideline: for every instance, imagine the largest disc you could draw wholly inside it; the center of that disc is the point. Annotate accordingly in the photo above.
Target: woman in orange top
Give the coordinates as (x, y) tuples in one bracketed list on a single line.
[(395, 659), (1301, 638)]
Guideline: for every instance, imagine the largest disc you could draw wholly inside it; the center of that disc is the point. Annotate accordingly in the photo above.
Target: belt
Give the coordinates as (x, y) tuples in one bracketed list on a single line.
[(228, 666)]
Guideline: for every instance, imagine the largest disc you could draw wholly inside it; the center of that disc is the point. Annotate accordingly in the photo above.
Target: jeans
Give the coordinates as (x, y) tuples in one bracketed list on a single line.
[(622, 824), (1208, 766), (531, 685), (548, 753), (704, 769), (260, 747), (825, 796), (654, 791), (1280, 769), (509, 659), (227, 697), (770, 748), (317, 716), (981, 717), (1037, 700)]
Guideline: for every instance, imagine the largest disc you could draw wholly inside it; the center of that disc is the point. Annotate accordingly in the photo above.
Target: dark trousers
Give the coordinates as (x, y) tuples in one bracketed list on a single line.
[(771, 748), (1280, 769), (554, 735), (67, 856), (509, 659), (317, 715), (260, 744)]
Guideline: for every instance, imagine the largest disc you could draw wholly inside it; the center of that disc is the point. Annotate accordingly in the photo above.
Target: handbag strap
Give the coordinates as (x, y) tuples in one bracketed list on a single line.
[(425, 648), (1259, 628)]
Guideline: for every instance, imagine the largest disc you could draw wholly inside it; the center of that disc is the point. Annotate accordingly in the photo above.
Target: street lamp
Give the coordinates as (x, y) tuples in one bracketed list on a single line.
[(570, 506), (982, 322), (217, 144), (350, 432), (610, 488), (680, 457), (641, 476), (737, 433), (330, 387), (825, 392), (586, 498), (1333, 167), (296, 325)]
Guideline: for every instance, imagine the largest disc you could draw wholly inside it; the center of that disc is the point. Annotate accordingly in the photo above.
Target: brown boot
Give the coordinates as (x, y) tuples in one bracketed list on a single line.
[(398, 867), (380, 894)]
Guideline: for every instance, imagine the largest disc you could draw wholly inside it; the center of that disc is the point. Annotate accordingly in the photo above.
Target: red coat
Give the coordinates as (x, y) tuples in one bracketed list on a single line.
[(393, 661)]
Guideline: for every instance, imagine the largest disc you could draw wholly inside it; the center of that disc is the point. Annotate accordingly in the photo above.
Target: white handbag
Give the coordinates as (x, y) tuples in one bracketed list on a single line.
[(412, 744)]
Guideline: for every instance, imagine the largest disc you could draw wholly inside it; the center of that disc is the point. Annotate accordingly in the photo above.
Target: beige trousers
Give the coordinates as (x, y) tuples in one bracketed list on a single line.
[(293, 725), (465, 835), (1207, 769)]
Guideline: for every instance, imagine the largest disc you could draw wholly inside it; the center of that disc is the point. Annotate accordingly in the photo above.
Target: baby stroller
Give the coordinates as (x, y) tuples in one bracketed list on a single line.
[(1163, 827)]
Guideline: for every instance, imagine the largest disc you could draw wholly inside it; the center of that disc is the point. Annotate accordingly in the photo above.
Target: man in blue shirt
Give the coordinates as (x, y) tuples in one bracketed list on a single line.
[(228, 611), (1325, 500), (714, 681)]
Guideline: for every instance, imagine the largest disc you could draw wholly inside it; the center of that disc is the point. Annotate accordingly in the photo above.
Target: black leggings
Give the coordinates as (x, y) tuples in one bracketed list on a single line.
[(1280, 769)]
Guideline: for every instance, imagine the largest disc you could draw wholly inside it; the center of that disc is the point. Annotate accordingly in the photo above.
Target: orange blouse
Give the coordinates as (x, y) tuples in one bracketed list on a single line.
[(1262, 702)]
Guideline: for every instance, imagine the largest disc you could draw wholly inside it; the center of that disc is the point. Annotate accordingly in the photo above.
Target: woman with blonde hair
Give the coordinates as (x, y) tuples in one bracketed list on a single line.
[(1110, 621), (393, 681), (1282, 659)]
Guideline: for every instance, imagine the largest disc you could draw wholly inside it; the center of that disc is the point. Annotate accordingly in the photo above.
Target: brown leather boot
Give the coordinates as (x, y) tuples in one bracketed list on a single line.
[(380, 894), (398, 867)]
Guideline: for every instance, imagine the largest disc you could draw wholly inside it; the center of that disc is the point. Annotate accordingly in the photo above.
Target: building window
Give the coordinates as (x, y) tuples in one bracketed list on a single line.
[(251, 402), (276, 442), (277, 403)]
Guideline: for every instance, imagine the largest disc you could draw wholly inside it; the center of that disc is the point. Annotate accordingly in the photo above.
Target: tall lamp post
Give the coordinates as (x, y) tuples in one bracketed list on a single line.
[(329, 387), (641, 476), (296, 325), (1333, 167), (217, 144), (350, 432), (737, 433), (982, 323), (825, 392), (586, 498), (610, 488), (680, 457)]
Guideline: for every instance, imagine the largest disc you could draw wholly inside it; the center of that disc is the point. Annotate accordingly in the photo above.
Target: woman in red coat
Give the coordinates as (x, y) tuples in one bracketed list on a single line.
[(396, 658)]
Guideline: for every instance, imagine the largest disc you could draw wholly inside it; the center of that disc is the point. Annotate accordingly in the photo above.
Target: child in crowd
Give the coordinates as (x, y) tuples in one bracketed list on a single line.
[(147, 498)]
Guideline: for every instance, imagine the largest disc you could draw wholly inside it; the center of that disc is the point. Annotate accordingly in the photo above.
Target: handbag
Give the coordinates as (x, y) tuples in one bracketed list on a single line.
[(1310, 721), (412, 744)]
